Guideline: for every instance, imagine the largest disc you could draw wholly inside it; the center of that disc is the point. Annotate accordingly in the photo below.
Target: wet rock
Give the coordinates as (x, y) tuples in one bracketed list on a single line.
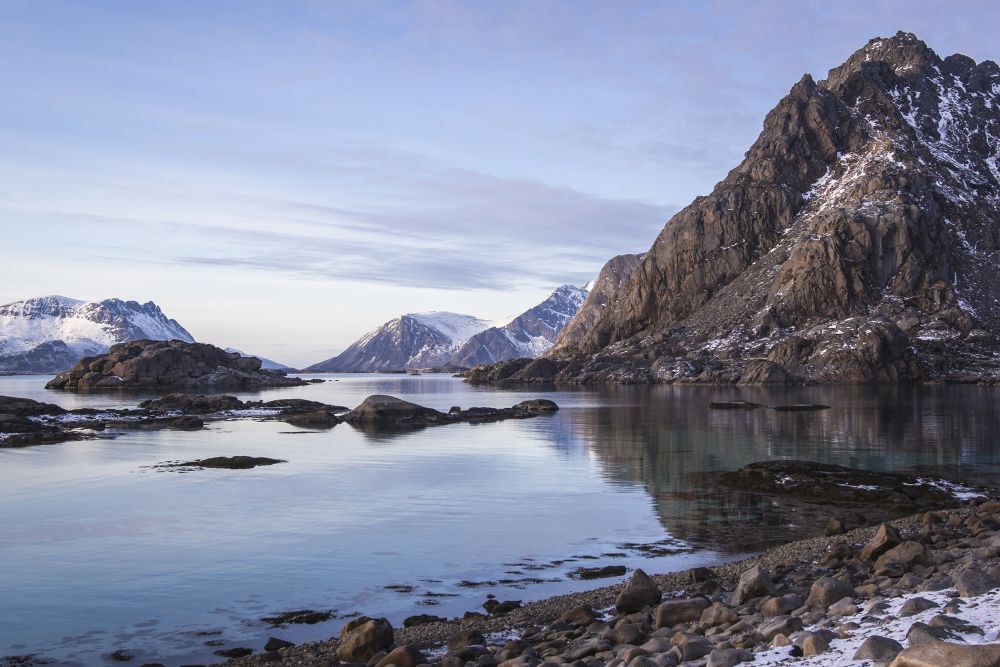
[(639, 592), (316, 419), (801, 407), (733, 405), (275, 644), (885, 538), (879, 650), (238, 652), (188, 423), (537, 406), (226, 462), (754, 583), (581, 615), (826, 590), (26, 407), (672, 612), (363, 637), (598, 572), (297, 617), (422, 619), (196, 404)]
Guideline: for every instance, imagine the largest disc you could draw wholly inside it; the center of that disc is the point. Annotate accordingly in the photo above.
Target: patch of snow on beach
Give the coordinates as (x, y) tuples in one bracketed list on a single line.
[(982, 611)]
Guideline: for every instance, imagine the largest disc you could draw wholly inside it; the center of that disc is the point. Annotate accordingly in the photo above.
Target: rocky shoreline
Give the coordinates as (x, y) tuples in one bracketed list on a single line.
[(925, 587)]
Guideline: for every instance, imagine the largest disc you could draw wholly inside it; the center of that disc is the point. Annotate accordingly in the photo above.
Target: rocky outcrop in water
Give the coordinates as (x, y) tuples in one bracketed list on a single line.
[(857, 242), (169, 365)]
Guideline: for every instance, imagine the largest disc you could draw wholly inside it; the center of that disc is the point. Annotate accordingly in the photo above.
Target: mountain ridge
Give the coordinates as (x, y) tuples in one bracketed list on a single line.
[(856, 242)]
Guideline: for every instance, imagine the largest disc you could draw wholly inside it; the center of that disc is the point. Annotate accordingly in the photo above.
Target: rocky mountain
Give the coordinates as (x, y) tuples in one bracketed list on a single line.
[(416, 340), (857, 242), (51, 333), (612, 276), (530, 334)]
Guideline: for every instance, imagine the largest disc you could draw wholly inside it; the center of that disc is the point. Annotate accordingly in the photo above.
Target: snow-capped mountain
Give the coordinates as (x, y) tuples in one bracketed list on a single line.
[(415, 340), (51, 333), (530, 334)]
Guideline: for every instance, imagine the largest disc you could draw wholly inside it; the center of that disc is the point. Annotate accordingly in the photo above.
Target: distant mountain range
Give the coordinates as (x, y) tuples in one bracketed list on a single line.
[(443, 339), (51, 333), (48, 334)]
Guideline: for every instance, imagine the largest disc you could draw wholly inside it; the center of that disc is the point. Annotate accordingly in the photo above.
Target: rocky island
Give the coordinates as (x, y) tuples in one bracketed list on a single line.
[(169, 366)]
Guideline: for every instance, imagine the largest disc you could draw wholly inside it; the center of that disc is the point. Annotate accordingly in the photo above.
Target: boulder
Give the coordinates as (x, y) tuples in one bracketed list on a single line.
[(390, 411), (781, 606), (779, 625), (407, 655), (639, 592), (275, 644), (900, 559), (363, 637), (754, 583), (728, 657), (582, 615), (885, 538), (826, 590), (972, 581), (716, 615), (672, 612), (464, 638), (814, 644), (938, 654), (878, 649)]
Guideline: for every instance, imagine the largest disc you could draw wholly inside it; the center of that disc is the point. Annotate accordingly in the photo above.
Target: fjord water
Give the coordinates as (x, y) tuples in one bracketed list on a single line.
[(102, 552)]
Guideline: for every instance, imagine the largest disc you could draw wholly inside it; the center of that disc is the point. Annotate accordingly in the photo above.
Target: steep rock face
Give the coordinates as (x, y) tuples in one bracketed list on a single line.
[(417, 340), (857, 242), (530, 334), (169, 365), (616, 272), (51, 333)]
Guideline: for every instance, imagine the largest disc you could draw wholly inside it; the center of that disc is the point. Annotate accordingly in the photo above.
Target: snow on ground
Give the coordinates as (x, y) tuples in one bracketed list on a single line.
[(982, 611)]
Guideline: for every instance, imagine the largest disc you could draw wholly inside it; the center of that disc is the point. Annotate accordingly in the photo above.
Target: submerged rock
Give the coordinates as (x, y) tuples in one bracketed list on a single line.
[(226, 462)]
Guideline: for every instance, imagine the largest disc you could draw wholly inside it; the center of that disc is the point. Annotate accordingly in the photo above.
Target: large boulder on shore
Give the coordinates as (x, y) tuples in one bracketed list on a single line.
[(362, 638), (938, 653), (169, 365), (639, 592)]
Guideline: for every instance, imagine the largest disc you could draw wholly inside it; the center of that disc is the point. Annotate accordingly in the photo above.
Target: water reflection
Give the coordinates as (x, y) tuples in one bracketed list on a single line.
[(668, 439)]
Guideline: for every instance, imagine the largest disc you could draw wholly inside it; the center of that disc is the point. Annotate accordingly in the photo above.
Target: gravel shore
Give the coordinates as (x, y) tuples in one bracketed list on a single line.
[(947, 540)]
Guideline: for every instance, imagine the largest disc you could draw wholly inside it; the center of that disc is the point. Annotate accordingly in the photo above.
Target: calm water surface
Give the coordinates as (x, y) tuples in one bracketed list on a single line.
[(100, 552)]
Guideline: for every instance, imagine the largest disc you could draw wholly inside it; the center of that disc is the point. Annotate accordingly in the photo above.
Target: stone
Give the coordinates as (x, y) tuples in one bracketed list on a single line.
[(939, 654), (922, 632), (363, 637), (972, 581), (716, 615), (275, 644), (814, 644), (638, 593), (581, 615), (407, 655), (754, 583), (878, 649), (885, 538), (672, 612), (624, 633), (915, 606), (598, 572), (728, 657), (422, 619), (781, 606), (901, 558), (463, 638), (843, 607), (188, 423), (784, 625), (826, 590)]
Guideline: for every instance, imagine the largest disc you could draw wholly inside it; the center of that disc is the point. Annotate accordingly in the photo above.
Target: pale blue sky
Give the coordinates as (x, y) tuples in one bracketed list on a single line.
[(283, 176)]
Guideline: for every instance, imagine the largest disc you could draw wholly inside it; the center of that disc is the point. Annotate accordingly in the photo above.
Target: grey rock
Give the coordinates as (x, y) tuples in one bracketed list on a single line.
[(639, 592)]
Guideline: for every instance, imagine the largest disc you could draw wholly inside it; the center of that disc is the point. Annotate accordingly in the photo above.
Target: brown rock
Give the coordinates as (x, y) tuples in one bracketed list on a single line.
[(944, 654), (363, 637), (672, 612), (639, 592)]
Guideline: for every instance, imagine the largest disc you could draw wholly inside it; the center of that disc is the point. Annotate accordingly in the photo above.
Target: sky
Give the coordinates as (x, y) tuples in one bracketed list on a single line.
[(282, 177)]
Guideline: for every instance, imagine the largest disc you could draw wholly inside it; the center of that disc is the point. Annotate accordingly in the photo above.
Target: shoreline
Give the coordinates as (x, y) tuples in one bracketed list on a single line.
[(532, 616)]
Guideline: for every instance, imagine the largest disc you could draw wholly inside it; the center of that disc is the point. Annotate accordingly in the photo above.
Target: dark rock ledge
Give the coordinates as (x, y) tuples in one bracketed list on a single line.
[(24, 422)]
